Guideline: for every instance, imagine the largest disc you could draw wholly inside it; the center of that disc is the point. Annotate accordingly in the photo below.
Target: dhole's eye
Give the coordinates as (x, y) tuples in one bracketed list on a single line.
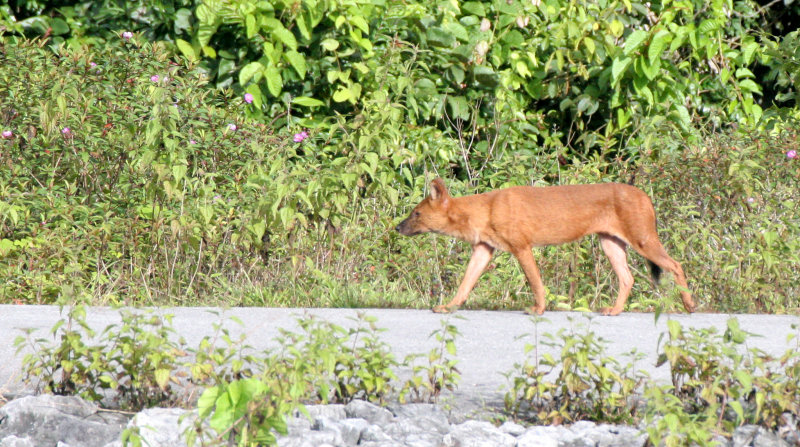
[(416, 213)]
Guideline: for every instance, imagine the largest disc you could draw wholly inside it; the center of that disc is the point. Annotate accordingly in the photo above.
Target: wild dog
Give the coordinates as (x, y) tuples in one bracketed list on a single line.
[(518, 218)]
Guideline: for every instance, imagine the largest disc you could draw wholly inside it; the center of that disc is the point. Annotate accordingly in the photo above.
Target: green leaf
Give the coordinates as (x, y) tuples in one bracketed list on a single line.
[(187, 50), (274, 81), (297, 61), (634, 41), (360, 23), (162, 377), (204, 33), (657, 45), (249, 72), (251, 25), (618, 68), (284, 35), (330, 44), (342, 95), (307, 102), (302, 26), (474, 8)]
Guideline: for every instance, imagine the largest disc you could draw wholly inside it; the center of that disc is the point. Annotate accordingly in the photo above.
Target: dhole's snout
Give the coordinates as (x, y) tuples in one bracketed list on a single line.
[(403, 228)]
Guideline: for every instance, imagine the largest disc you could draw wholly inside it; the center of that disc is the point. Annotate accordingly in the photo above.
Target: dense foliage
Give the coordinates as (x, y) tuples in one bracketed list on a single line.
[(129, 181)]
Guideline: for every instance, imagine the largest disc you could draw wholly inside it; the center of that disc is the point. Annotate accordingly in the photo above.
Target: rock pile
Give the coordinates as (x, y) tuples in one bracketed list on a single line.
[(58, 421)]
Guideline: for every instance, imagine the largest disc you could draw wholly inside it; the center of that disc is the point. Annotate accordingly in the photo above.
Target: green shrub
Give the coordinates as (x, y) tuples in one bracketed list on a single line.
[(583, 384)]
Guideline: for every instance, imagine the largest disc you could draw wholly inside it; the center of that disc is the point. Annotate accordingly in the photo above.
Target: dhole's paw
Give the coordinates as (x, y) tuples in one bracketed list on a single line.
[(610, 311), (442, 309), (533, 310)]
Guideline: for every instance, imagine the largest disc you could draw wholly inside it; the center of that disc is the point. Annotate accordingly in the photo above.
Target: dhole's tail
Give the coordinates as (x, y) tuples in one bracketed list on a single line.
[(655, 271)]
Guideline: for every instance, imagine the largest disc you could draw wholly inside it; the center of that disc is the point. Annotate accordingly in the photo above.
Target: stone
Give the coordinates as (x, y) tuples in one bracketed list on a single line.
[(163, 427), (332, 411), (368, 411), (766, 438), (48, 420), (512, 428), (477, 434), (13, 441), (744, 436), (531, 439)]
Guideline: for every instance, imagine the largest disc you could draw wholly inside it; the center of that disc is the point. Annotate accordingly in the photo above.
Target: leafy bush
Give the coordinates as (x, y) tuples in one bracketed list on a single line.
[(583, 384), (136, 362)]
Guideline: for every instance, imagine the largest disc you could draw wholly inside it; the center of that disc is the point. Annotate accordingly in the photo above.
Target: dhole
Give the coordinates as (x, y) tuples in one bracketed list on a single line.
[(518, 218)]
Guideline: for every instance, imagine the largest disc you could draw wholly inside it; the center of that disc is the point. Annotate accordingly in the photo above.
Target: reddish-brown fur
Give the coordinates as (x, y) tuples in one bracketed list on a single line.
[(519, 218)]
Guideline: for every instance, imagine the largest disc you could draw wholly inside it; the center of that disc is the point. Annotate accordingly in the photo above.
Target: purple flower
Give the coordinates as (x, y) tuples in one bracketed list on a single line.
[(127, 35), (93, 64), (232, 127), (66, 131), (7, 134), (299, 137), (791, 154), (154, 78), (192, 142), (248, 98)]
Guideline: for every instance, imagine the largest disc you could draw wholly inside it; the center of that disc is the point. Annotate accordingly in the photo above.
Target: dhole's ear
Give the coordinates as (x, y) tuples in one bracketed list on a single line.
[(438, 190)]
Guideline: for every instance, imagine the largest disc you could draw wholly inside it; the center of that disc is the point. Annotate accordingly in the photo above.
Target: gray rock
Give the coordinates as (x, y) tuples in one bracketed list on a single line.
[(333, 411), (48, 420), (163, 427), (766, 438), (352, 428), (512, 428), (13, 441), (374, 434), (477, 434), (368, 411), (744, 436), (414, 432), (532, 439)]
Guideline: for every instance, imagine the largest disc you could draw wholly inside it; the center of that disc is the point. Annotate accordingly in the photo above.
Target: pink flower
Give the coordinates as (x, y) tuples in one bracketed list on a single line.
[(792, 154), (248, 98), (127, 35), (7, 134), (66, 131), (232, 127), (154, 78), (299, 137), (192, 142), (93, 64)]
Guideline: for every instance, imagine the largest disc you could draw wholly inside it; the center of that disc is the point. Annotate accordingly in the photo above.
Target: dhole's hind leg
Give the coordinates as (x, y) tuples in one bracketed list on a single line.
[(481, 255), (528, 264), (615, 250), (654, 251)]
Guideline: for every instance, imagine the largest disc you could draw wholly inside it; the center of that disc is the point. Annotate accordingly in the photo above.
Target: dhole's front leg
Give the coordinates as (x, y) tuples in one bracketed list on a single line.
[(481, 255), (528, 264)]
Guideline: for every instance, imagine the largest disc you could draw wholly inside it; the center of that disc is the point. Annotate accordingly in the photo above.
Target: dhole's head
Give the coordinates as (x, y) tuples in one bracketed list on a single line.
[(430, 214)]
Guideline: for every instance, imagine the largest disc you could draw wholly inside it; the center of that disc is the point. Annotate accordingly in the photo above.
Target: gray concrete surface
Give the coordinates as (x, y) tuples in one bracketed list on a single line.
[(489, 344)]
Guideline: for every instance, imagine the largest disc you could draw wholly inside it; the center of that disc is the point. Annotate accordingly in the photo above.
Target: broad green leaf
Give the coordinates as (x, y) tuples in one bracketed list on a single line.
[(285, 36), (302, 26), (186, 49), (251, 25), (360, 23), (342, 95), (657, 45), (274, 81), (616, 28), (249, 72), (475, 8), (297, 61), (330, 44), (307, 102), (634, 41), (749, 85), (618, 68), (162, 378), (205, 32)]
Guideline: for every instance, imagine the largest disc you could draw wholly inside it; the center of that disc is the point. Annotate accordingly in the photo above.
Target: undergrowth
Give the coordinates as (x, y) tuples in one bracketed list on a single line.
[(131, 182)]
